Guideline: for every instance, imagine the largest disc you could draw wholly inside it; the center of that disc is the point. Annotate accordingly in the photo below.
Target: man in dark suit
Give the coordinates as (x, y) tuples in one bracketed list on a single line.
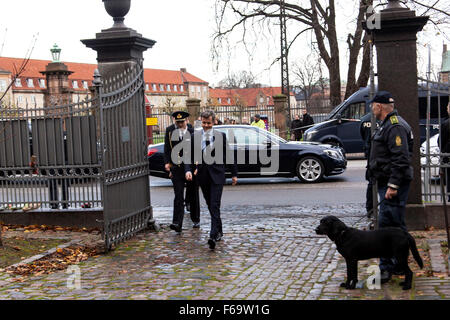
[(211, 155), (173, 159)]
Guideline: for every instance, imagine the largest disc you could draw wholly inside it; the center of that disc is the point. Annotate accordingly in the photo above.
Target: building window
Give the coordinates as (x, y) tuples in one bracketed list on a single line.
[(154, 87), (33, 99), (75, 84), (30, 83), (229, 100), (181, 88), (2, 85), (85, 85), (19, 99), (161, 87), (42, 83), (18, 82), (168, 87), (205, 90), (268, 100), (220, 100), (147, 87), (199, 89), (193, 89), (175, 87)]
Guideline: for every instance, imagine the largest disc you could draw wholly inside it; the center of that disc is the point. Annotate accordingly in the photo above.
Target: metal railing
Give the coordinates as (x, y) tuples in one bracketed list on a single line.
[(49, 157), (435, 167)]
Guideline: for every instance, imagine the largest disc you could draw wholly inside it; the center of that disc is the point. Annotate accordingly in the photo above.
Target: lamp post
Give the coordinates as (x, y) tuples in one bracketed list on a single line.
[(56, 52)]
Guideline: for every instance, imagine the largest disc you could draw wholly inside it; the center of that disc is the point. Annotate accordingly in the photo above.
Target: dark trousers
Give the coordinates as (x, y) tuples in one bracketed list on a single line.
[(213, 196), (178, 181), (53, 192), (392, 214), (369, 196), (192, 197)]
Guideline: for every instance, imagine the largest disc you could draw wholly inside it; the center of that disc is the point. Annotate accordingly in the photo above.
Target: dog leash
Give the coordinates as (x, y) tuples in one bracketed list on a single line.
[(369, 213)]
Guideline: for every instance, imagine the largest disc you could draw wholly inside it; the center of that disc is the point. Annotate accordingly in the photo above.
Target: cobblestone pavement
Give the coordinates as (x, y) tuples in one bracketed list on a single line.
[(266, 253)]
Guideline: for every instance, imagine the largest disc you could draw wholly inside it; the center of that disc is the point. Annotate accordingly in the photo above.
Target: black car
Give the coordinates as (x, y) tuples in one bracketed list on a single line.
[(260, 153)]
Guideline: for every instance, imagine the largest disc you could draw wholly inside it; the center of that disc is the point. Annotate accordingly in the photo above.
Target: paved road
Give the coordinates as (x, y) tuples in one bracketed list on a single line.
[(269, 251), (348, 187)]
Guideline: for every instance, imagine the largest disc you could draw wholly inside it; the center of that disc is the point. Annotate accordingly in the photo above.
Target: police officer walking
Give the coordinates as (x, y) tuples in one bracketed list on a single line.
[(173, 159), (390, 164)]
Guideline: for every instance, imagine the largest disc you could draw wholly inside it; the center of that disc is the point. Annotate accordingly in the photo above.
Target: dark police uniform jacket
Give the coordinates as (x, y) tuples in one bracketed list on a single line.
[(170, 142), (391, 151)]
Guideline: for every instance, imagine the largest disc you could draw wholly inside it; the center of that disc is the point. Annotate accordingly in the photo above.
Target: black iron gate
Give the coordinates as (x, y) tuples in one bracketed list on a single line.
[(126, 191)]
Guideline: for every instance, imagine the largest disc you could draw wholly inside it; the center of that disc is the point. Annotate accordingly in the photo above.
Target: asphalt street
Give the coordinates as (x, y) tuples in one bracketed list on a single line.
[(349, 187)]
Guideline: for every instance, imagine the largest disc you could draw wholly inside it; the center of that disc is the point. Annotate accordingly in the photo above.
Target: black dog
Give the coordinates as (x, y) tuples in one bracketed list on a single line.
[(356, 245)]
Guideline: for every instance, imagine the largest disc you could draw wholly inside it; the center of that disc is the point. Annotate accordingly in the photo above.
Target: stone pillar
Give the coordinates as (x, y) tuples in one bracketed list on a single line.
[(280, 108), (397, 73), (58, 90), (193, 108), (118, 49)]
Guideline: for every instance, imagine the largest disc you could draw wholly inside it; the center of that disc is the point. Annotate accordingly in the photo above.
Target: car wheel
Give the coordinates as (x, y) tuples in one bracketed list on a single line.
[(310, 169)]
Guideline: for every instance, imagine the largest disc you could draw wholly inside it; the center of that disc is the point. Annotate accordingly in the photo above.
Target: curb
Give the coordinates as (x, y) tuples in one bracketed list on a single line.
[(436, 256), (42, 255)]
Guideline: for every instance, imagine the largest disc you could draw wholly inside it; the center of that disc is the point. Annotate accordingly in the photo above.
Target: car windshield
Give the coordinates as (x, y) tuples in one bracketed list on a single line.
[(250, 135), (334, 111)]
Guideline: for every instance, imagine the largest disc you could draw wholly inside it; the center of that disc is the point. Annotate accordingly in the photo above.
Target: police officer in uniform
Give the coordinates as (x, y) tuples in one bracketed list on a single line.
[(173, 159), (365, 131), (390, 164)]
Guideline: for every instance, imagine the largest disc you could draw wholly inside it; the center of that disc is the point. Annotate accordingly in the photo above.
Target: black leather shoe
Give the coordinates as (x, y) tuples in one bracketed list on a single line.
[(385, 276), (175, 227), (211, 243), (196, 225), (219, 236)]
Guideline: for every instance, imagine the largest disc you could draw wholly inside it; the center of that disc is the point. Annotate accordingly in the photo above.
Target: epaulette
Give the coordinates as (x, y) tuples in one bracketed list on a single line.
[(394, 119)]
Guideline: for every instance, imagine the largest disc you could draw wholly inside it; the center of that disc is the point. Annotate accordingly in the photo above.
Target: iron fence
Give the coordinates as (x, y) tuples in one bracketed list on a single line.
[(434, 162), (239, 115), (49, 157), (86, 154)]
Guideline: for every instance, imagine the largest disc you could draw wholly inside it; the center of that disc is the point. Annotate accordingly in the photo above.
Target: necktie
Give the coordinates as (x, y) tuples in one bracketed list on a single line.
[(207, 141)]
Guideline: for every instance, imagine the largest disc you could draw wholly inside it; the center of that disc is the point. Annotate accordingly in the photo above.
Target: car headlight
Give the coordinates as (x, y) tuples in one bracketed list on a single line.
[(335, 154), (310, 134)]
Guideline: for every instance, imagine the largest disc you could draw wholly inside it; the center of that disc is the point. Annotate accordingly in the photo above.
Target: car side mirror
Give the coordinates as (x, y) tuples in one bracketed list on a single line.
[(339, 118)]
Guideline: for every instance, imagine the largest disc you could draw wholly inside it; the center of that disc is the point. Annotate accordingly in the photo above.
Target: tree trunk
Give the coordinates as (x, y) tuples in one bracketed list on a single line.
[(364, 73)]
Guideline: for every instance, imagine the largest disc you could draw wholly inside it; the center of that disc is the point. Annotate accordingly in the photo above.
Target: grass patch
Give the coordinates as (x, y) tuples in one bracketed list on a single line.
[(15, 250)]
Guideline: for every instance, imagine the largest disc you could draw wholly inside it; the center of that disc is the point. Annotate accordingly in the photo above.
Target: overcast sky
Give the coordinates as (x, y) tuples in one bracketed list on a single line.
[(182, 29)]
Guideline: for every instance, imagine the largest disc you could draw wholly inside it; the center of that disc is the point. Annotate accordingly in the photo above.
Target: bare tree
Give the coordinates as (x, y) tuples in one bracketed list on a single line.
[(307, 76), (250, 17), (241, 79)]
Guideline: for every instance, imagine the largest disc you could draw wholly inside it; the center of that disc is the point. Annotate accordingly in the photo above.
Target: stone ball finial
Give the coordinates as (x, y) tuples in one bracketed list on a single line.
[(117, 9)]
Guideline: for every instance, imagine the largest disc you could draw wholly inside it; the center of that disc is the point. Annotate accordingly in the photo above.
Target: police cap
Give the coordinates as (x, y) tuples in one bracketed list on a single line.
[(180, 115), (382, 97)]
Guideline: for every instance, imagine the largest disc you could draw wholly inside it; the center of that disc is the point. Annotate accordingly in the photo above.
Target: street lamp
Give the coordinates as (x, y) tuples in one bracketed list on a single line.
[(56, 52)]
